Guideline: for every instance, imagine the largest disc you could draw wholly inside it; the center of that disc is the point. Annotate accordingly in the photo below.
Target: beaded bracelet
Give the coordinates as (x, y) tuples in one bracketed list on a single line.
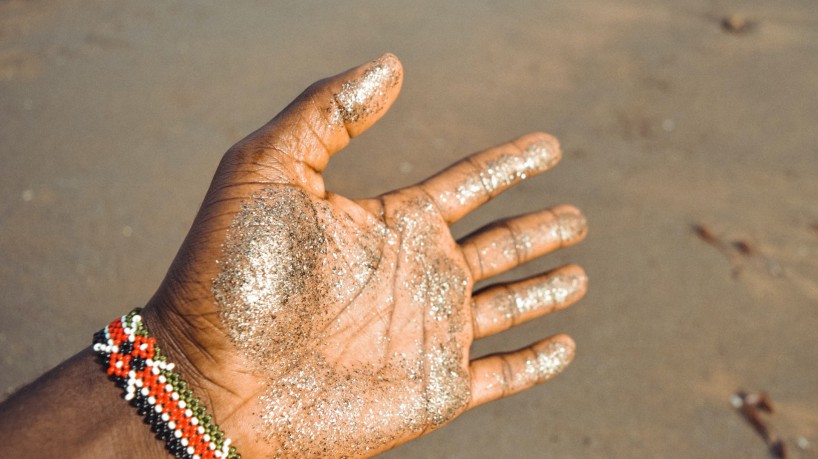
[(135, 363)]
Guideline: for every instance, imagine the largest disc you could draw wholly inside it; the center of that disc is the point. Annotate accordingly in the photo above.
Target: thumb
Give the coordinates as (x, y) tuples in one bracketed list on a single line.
[(321, 121)]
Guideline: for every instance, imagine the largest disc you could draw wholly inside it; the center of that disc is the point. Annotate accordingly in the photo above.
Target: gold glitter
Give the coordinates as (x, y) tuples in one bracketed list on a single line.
[(504, 170), (510, 168), (309, 295), (445, 391), (572, 226), (366, 94), (548, 362), (553, 291), (274, 246)]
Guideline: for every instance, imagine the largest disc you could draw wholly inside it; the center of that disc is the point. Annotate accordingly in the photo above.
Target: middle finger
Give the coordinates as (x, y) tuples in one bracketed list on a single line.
[(506, 244)]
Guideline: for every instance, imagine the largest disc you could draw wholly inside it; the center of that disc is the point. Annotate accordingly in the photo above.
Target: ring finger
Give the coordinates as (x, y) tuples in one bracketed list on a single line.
[(500, 307)]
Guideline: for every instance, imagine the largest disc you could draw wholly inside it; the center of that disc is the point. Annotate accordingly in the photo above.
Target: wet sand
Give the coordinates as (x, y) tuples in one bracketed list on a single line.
[(690, 144)]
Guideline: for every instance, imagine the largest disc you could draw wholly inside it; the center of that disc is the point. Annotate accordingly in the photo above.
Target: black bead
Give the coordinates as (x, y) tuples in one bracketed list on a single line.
[(138, 364)]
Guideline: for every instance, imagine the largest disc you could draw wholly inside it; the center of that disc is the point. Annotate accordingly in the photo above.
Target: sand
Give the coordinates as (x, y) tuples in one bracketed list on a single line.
[(113, 117)]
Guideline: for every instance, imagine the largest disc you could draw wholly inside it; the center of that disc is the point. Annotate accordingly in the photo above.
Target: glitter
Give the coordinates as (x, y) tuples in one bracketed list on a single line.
[(507, 169), (366, 95), (446, 392), (554, 291), (548, 362), (468, 190), (572, 226), (271, 250), (323, 409), (441, 288), (302, 289), (503, 170)]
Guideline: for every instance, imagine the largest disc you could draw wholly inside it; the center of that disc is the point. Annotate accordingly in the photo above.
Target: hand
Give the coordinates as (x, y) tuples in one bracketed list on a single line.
[(315, 325)]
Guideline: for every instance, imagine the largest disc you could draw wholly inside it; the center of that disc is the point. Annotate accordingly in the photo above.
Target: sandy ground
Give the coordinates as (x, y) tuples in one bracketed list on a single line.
[(113, 117)]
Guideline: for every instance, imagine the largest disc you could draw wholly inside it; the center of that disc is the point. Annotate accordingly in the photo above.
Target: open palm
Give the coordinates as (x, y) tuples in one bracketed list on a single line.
[(320, 326)]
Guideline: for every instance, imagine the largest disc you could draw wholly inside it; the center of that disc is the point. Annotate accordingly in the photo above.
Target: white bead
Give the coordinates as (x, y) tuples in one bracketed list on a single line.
[(145, 391), (137, 318), (163, 379), (227, 442), (184, 442), (182, 404), (206, 436), (218, 454), (152, 400), (177, 434), (155, 371), (149, 362), (168, 388), (129, 396), (110, 342), (130, 389), (188, 413), (165, 417), (211, 446), (174, 396), (132, 374), (194, 421), (119, 364), (190, 450), (171, 425), (131, 338), (138, 383), (115, 348), (143, 347), (158, 408), (171, 366), (196, 456)]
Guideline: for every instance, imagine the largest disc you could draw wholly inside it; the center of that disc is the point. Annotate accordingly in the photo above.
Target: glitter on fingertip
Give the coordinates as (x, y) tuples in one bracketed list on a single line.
[(367, 94), (548, 362)]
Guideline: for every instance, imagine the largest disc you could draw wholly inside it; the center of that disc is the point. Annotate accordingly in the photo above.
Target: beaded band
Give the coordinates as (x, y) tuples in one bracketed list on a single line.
[(133, 360)]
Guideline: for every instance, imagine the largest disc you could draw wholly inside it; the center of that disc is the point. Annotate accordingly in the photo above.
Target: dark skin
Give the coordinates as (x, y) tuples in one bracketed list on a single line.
[(406, 314), (65, 412)]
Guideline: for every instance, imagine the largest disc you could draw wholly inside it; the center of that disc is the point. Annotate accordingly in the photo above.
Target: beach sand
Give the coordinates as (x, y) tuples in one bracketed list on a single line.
[(690, 132)]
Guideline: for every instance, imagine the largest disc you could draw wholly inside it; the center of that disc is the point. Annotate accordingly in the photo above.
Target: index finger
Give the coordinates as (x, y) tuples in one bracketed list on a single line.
[(473, 181)]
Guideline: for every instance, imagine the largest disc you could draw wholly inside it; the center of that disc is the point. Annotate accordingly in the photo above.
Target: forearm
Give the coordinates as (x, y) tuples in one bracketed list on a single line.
[(74, 410)]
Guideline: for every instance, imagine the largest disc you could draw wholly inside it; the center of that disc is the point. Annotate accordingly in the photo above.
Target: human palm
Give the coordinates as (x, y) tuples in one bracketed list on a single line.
[(320, 326)]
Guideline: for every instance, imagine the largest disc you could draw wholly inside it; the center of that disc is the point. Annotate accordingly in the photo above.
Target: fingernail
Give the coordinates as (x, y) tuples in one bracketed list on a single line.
[(364, 96)]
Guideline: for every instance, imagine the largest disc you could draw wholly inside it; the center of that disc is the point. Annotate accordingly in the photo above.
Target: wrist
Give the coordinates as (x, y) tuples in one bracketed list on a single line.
[(218, 376), (75, 410), (159, 393)]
